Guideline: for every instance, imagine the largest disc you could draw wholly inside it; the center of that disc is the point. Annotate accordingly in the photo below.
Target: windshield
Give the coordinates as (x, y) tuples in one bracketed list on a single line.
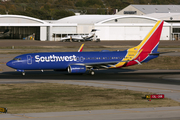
[(17, 59)]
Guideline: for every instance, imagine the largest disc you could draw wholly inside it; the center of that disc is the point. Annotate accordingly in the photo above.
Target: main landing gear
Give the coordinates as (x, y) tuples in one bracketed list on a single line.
[(23, 72), (91, 72)]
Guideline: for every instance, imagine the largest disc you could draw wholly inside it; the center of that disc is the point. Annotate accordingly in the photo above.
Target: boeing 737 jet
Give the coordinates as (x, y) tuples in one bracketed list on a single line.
[(80, 62)]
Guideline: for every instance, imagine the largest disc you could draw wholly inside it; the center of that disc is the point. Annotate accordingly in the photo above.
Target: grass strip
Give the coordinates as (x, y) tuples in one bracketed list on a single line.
[(53, 97)]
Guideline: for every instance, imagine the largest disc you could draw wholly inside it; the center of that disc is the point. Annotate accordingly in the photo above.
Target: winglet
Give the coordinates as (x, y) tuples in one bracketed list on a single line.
[(81, 48)]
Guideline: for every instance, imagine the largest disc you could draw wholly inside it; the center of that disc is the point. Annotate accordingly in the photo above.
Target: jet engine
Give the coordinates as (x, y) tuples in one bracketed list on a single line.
[(76, 69)]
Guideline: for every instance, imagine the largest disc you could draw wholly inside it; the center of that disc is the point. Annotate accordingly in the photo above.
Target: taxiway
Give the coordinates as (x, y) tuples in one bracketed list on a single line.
[(157, 81)]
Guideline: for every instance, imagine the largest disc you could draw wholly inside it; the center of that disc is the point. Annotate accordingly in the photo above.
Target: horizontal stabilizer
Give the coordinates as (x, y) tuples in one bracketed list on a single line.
[(158, 53)]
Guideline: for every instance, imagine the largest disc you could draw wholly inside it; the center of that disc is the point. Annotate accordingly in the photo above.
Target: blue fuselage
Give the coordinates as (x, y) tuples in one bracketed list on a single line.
[(61, 60)]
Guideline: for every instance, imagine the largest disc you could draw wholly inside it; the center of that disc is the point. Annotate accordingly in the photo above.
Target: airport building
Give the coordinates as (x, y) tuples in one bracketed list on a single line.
[(110, 27), (149, 9), (114, 27), (21, 27)]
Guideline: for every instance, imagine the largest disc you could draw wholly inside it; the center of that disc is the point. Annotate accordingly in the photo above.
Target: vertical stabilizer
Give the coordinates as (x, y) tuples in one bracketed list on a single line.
[(151, 41), (141, 52)]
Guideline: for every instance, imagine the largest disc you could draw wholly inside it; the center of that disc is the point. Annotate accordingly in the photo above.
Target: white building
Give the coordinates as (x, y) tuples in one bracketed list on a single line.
[(22, 26), (110, 27), (148, 9), (168, 13)]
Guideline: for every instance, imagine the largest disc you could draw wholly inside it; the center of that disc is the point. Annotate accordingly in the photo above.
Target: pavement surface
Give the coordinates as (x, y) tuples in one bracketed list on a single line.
[(165, 82), (7, 42), (157, 81), (163, 113)]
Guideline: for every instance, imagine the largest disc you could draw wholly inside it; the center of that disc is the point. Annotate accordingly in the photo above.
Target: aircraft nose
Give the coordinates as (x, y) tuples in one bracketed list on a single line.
[(9, 64)]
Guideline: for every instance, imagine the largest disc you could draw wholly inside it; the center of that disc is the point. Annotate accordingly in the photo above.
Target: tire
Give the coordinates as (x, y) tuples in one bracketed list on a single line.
[(23, 73), (92, 72), (98, 40), (69, 69)]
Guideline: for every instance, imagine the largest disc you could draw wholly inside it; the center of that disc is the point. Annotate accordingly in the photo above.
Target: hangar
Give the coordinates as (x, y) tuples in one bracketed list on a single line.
[(148, 9), (22, 27), (112, 27), (173, 19)]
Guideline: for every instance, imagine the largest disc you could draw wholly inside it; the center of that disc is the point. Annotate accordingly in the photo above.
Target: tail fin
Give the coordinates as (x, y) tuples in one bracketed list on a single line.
[(151, 41), (149, 45)]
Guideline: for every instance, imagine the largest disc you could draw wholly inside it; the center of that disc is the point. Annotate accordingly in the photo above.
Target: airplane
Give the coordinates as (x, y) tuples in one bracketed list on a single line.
[(79, 38), (80, 62)]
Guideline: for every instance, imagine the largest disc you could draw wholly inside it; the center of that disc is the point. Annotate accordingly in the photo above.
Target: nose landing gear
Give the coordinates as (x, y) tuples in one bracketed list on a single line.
[(23, 73), (91, 72)]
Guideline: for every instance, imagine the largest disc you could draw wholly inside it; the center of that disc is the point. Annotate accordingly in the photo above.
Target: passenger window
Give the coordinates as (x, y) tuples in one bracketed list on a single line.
[(77, 58)]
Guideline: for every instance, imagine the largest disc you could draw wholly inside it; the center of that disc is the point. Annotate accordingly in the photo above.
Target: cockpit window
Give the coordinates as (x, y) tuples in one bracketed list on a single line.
[(17, 59)]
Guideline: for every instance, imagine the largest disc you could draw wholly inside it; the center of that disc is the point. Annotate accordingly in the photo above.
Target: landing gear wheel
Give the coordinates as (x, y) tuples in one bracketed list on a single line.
[(92, 72), (23, 73), (98, 40)]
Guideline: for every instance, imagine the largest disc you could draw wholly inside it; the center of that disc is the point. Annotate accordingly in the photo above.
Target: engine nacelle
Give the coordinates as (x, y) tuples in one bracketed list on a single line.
[(76, 69)]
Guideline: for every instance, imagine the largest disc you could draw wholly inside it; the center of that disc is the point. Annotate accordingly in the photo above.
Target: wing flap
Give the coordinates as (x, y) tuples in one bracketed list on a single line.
[(100, 64)]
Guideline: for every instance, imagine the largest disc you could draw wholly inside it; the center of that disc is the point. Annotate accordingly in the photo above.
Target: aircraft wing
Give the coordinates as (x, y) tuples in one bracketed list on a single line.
[(100, 64), (88, 36), (76, 37), (65, 38)]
